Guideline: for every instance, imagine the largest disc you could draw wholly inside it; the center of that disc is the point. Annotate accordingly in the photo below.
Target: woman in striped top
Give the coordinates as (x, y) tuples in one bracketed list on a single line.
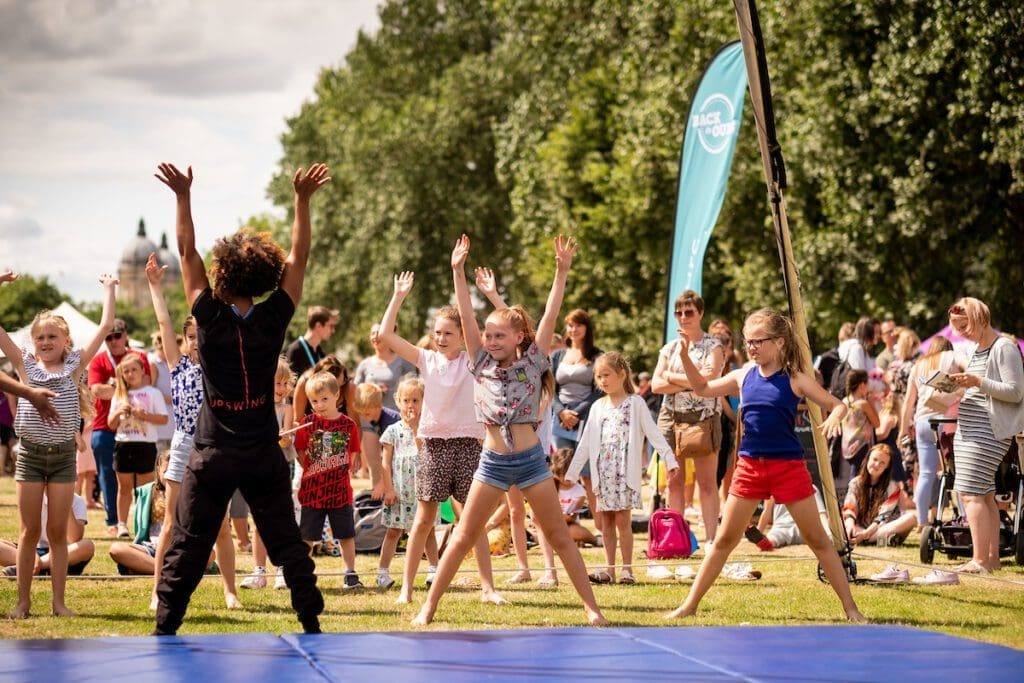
[(991, 413), (46, 452)]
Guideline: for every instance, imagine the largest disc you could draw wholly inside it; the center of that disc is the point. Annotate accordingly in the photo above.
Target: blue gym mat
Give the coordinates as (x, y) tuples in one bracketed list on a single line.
[(735, 653)]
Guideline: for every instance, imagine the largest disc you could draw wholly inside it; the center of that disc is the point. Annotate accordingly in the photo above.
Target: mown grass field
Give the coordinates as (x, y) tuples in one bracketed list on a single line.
[(990, 610)]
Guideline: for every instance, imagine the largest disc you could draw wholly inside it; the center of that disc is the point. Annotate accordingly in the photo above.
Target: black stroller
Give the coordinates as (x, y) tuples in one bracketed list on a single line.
[(952, 536)]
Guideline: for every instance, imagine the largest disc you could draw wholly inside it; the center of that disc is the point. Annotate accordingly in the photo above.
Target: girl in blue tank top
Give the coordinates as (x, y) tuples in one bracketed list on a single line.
[(770, 462)]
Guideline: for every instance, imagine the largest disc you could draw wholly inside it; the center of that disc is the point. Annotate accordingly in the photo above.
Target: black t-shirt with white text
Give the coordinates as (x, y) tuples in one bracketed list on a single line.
[(239, 360)]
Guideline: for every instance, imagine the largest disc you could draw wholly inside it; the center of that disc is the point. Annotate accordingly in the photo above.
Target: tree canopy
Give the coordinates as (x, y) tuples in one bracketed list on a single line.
[(902, 125)]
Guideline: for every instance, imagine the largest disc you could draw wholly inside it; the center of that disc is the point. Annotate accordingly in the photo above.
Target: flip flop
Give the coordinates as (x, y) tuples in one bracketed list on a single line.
[(547, 582), (627, 579), (600, 577), (972, 567)]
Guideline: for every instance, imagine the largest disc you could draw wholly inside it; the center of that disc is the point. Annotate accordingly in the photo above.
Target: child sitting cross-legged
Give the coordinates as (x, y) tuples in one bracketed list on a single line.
[(325, 444)]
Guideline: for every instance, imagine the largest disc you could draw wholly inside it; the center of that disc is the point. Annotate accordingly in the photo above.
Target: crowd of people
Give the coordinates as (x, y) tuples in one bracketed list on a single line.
[(507, 415)]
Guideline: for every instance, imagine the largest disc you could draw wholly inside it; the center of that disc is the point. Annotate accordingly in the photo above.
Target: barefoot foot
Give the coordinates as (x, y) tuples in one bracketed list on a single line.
[(679, 612), (154, 602), (855, 617), (232, 601), (19, 612), (404, 597), (63, 611), (597, 619), (493, 597), (423, 618)]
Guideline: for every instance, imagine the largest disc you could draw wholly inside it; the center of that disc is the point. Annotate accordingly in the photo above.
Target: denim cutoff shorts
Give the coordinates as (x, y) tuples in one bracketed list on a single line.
[(505, 470), (181, 450)]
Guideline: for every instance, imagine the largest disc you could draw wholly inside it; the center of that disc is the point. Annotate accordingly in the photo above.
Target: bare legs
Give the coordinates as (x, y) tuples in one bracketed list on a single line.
[(737, 515), (126, 484), (30, 505), (983, 520)]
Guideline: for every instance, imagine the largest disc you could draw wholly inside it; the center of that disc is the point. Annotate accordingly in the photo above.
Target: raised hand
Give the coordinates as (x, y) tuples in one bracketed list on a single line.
[(565, 249), (8, 276), (404, 282), (485, 281), (460, 253), (309, 182), (685, 342), (108, 280), (173, 178), (154, 271)]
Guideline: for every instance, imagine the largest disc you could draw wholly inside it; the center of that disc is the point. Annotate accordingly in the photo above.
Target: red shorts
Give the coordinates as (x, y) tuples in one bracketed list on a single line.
[(759, 478)]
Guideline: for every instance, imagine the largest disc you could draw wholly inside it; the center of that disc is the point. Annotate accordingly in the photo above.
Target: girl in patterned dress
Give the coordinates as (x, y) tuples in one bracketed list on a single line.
[(400, 451), (46, 460), (613, 443), (186, 398)]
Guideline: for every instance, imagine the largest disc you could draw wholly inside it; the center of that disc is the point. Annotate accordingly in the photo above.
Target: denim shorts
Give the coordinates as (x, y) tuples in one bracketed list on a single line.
[(48, 464), (181, 449), (505, 470)]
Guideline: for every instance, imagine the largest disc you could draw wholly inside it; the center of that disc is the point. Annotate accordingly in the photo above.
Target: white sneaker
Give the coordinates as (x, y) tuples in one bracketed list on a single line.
[(684, 573), (892, 574), (258, 578), (937, 577), (691, 514), (122, 530), (279, 582), (431, 573), (384, 580), (658, 572)]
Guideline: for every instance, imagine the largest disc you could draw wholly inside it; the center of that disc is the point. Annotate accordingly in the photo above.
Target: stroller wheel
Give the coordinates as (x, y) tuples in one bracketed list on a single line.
[(848, 564), (928, 544)]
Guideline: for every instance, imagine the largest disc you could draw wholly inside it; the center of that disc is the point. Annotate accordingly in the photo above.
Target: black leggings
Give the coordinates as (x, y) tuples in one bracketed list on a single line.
[(261, 474)]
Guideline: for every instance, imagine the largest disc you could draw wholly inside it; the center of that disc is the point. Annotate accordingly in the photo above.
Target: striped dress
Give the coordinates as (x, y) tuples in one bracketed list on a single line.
[(977, 451)]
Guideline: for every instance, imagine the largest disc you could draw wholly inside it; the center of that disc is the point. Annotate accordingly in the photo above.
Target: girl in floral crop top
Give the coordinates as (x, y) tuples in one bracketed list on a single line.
[(507, 362)]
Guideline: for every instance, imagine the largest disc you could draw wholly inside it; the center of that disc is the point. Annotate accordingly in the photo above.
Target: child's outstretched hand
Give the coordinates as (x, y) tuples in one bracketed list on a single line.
[(460, 253), (8, 276), (108, 280), (154, 271), (308, 183), (832, 426), (565, 249), (485, 281), (404, 282), (173, 178)]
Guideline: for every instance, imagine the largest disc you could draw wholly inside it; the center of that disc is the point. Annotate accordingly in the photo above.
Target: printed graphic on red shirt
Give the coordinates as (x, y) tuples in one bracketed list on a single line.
[(324, 448)]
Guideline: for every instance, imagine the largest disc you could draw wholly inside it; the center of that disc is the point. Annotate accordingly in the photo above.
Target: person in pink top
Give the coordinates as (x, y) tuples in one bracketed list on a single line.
[(449, 430)]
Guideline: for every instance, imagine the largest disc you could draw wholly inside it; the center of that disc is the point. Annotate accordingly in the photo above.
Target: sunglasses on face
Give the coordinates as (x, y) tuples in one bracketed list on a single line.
[(114, 335), (686, 312), (957, 309)]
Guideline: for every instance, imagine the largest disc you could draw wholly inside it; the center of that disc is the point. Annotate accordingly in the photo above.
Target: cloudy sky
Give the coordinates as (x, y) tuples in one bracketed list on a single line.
[(94, 93)]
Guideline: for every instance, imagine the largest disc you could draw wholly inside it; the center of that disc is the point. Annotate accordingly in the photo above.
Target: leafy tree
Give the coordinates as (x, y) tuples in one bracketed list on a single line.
[(22, 299)]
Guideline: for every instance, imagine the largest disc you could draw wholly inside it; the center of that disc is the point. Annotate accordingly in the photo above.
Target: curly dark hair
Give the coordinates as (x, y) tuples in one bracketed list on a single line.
[(247, 263)]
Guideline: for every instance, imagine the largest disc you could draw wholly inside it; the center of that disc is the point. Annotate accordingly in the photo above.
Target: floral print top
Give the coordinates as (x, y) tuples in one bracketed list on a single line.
[(186, 394), (508, 396), (687, 401)]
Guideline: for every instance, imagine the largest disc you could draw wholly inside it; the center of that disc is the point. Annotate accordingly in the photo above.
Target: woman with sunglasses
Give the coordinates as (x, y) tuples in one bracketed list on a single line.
[(991, 413), (684, 411)]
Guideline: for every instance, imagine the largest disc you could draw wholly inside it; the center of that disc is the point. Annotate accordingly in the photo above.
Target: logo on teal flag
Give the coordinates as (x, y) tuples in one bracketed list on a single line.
[(708, 144)]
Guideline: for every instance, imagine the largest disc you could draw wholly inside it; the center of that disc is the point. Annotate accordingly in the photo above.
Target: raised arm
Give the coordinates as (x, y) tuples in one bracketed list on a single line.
[(728, 385), (565, 249), (295, 265), (386, 333), (109, 283), (193, 272), (155, 273), (488, 286), (470, 328)]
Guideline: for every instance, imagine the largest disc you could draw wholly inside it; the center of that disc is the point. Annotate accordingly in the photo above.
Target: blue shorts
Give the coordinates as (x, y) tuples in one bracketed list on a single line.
[(181, 449), (505, 470)]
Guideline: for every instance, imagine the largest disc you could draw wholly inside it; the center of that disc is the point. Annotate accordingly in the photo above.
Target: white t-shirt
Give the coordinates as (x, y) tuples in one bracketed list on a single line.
[(566, 497), (447, 398), (133, 430), (78, 511)]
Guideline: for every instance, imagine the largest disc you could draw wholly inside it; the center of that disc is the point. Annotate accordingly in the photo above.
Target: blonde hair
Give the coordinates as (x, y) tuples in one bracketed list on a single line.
[(977, 314), (47, 317), (322, 382), (519, 320), (781, 327), (617, 362), (449, 313), (368, 397), (410, 385), (121, 389), (284, 369), (906, 344)]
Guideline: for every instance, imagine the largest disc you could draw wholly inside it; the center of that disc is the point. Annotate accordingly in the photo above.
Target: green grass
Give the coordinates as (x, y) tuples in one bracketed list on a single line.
[(990, 610)]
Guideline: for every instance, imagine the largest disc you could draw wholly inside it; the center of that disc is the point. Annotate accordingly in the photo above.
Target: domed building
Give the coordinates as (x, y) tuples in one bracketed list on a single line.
[(132, 268)]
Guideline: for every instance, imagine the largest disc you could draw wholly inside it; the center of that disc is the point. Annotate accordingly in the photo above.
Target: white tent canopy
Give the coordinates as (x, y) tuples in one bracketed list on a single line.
[(82, 329)]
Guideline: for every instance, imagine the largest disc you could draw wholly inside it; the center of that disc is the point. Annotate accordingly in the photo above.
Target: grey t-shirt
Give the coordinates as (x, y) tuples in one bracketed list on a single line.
[(387, 376)]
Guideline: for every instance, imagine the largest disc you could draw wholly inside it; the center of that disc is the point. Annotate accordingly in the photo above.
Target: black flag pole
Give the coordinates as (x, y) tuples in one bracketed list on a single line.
[(775, 177)]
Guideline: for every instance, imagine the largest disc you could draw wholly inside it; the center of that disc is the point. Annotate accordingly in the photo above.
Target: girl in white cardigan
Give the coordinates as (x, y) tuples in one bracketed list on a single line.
[(613, 442)]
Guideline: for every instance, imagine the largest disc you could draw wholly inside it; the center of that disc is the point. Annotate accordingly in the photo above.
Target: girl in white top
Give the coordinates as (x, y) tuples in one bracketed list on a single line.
[(135, 411), (613, 443), (46, 453), (449, 430)]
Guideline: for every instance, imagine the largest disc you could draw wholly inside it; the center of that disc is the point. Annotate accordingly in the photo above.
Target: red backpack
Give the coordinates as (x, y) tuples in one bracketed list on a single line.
[(668, 536)]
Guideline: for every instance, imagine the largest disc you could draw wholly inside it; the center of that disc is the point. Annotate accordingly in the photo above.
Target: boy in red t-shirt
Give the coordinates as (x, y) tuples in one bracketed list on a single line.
[(324, 449)]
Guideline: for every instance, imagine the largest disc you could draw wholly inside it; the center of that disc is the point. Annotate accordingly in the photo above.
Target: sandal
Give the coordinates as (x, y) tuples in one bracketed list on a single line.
[(547, 582), (627, 579), (601, 577), (971, 567), (521, 576)]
